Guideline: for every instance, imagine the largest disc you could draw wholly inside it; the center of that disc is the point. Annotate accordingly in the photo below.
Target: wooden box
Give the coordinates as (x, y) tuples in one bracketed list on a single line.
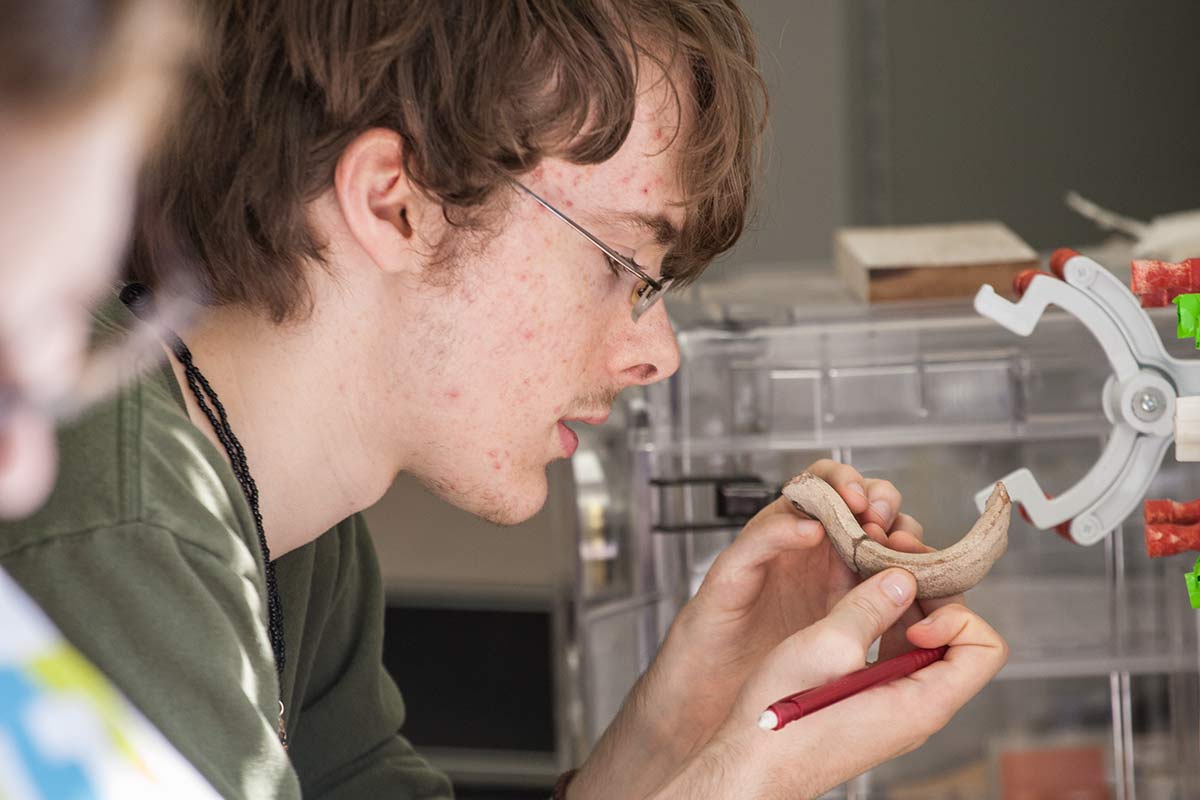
[(930, 261)]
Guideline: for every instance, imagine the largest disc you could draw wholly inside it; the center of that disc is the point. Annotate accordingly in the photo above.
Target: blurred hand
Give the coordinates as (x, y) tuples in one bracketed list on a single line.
[(27, 462)]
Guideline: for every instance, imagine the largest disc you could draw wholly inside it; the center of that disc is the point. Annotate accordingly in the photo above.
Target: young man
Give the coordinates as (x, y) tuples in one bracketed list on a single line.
[(371, 193)]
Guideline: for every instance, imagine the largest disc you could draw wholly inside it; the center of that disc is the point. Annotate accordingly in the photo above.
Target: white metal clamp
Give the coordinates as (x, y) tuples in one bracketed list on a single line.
[(1140, 396)]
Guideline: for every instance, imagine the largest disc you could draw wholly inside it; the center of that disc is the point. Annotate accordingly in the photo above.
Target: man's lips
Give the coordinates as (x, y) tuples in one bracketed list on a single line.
[(568, 437)]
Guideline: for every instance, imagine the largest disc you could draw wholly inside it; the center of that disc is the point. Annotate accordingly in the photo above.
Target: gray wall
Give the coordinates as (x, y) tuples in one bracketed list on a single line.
[(911, 111), (806, 194)]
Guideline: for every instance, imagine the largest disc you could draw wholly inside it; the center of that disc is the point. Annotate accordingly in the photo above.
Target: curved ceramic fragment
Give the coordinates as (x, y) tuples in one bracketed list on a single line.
[(939, 574)]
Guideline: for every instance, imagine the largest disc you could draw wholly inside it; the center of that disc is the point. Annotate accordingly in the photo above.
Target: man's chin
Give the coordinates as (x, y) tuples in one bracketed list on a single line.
[(501, 502), (507, 516)]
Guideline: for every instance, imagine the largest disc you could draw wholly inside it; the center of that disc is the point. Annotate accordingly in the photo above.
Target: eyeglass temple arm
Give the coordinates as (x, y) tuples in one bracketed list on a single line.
[(608, 251)]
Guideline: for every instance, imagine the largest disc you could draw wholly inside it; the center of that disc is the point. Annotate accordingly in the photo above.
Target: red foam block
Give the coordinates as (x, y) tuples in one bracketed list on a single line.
[(1171, 528), (1165, 539), (1159, 298), (1170, 511), (1148, 275)]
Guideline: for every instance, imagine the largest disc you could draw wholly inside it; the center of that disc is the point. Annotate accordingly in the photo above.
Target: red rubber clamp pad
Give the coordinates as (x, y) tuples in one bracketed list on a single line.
[(1021, 282), (1059, 259)]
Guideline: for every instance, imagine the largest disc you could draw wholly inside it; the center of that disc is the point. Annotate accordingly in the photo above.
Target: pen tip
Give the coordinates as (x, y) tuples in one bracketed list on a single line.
[(768, 721)]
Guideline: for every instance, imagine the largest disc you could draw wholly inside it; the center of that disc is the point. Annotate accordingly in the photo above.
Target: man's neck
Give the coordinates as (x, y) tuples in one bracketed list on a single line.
[(292, 404)]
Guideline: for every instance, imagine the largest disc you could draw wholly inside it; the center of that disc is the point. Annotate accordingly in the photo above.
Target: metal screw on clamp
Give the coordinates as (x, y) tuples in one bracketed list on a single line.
[(1149, 404), (1086, 529), (1080, 273)]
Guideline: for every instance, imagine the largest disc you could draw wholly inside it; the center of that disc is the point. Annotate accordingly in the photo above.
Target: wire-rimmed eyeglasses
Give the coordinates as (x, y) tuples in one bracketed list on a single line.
[(646, 293)]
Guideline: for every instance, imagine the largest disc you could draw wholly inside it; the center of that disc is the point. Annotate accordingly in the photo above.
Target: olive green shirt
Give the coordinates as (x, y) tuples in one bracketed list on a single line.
[(147, 558)]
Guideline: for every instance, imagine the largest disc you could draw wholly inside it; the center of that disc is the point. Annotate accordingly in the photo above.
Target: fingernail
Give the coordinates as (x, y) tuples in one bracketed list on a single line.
[(924, 621), (898, 586), (883, 510), (857, 488)]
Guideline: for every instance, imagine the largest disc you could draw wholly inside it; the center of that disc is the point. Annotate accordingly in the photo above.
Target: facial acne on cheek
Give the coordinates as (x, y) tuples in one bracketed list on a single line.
[(654, 184)]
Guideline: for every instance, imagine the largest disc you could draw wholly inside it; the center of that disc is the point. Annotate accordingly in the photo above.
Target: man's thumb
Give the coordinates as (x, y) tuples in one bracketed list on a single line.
[(873, 606)]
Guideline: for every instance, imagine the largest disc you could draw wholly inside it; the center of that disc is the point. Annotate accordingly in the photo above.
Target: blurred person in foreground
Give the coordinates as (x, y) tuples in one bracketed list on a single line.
[(376, 197), (82, 83)]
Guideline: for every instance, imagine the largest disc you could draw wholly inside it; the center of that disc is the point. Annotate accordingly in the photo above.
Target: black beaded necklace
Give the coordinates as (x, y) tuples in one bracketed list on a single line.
[(140, 300)]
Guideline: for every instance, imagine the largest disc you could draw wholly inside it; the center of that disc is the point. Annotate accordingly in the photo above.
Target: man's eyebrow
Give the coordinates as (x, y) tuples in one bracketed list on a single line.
[(664, 230)]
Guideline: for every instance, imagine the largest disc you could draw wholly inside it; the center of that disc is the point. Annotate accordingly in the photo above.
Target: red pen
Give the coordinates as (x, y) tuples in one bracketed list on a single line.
[(801, 704)]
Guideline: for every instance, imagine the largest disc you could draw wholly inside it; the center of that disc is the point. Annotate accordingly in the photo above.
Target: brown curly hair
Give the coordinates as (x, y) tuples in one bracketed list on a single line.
[(479, 91)]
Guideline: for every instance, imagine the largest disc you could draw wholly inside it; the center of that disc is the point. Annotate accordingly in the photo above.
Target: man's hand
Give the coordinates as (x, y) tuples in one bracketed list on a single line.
[(778, 577), (831, 746)]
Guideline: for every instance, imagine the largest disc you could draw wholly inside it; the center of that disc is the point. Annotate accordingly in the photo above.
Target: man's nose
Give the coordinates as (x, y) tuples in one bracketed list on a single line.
[(648, 351)]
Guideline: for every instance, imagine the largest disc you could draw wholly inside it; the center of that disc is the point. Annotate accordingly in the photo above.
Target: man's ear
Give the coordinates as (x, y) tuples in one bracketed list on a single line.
[(385, 214)]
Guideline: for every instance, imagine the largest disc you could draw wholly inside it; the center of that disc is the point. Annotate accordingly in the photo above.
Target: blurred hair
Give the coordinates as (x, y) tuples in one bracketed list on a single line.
[(479, 91), (60, 56)]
